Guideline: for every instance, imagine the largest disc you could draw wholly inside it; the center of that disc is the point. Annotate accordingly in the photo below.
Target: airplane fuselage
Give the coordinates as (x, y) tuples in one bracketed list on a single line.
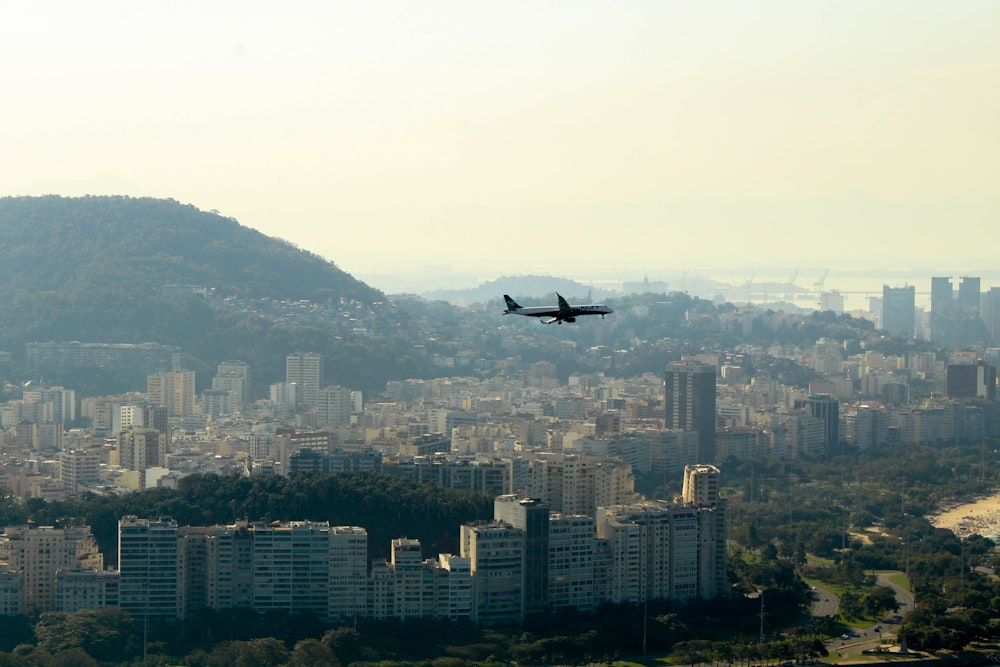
[(564, 312)]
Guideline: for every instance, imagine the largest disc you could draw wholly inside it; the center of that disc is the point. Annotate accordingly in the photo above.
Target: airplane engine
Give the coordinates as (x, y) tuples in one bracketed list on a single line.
[(571, 319)]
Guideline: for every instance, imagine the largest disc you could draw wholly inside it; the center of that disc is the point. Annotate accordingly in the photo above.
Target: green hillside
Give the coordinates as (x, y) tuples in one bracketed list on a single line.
[(93, 269), (75, 245)]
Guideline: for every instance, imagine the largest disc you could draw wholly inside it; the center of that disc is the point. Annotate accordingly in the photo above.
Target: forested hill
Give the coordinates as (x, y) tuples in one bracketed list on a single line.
[(99, 244), (93, 269)]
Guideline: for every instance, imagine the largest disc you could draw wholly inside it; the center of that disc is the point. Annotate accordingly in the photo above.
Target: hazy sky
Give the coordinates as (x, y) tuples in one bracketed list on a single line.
[(503, 137)]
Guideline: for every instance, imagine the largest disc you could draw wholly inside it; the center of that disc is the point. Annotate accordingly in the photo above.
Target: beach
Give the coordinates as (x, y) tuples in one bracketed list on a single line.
[(980, 516)]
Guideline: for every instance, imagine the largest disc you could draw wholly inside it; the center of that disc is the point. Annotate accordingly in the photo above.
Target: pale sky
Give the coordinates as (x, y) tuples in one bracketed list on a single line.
[(503, 137)]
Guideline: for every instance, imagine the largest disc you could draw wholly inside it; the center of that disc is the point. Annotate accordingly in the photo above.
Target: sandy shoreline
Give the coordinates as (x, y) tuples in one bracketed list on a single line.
[(980, 516)]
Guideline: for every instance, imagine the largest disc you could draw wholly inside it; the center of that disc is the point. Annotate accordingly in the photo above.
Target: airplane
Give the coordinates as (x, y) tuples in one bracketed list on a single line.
[(562, 313)]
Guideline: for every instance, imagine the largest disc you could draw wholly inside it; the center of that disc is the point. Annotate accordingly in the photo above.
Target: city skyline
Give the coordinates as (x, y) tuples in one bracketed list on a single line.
[(637, 137)]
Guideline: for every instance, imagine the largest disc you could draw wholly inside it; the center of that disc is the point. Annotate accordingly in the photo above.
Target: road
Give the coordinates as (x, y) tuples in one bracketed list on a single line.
[(827, 604)]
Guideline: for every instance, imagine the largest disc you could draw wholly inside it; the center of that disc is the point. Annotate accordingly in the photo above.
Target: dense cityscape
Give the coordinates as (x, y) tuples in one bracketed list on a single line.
[(561, 457)]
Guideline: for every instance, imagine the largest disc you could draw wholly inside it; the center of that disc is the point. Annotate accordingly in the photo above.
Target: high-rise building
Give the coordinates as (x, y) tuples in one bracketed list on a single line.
[(866, 427), (701, 485), (173, 390), (333, 405), (348, 573), (531, 516), (991, 313), (579, 484), (572, 578), (690, 403), (943, 308), (898, 310), (79, 469), (63, 402), (78, 589), (148, 552), (978, 380), (701, 490), (411, 598), (143, 448), (234, 376), (291, 567), (826, 408), (39, 553), (495, 551), (969, 297), (306, 370)]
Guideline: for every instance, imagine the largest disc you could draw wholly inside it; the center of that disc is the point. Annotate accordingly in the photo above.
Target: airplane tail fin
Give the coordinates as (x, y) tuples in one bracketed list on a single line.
[(511, 304)]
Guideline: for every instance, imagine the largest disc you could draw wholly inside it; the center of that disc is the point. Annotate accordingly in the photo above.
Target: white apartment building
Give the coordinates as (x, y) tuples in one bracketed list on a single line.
[(290, 565), (37, 553), (173, 390), (348, 572), (86, 589), (79, 469), (496, 556), (306, 370), (333, 405), (573, 582)]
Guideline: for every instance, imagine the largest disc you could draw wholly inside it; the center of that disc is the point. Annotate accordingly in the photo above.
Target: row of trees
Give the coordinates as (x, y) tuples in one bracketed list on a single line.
[(387, 507)]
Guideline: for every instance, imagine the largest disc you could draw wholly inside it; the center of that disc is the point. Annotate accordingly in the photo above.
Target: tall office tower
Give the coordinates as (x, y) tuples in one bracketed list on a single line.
[(572, 561), (173, 390), (348, 573), (496, 559), (306, 370), (978, 380), (898, 310), (690, 403), (139, 449), (234, 377), (148, 564), (79, 469), (943, 309), (991, 313), (334, 405), (531, 516), (969, 297), (291, 567), (39, 553), (826, 408)]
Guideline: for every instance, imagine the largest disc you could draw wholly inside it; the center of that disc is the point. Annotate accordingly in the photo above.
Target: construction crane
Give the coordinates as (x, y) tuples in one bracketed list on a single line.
[(820, 284), (790, 289)]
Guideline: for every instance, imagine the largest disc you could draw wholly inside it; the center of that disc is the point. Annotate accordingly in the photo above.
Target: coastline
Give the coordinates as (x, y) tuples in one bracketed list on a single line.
[(980, 516)]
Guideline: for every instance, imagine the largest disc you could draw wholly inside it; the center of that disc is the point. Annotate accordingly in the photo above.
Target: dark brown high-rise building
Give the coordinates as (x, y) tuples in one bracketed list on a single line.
[(690, 403)]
